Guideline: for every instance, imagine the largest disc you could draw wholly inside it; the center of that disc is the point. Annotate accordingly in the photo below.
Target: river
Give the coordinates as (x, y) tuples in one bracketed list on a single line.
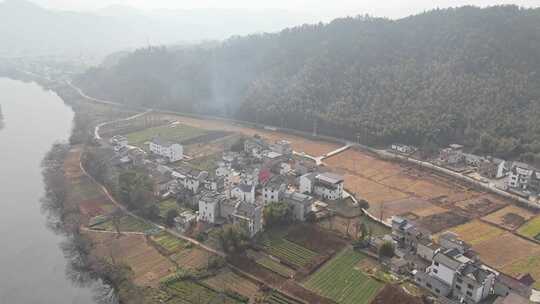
[(32, 265)]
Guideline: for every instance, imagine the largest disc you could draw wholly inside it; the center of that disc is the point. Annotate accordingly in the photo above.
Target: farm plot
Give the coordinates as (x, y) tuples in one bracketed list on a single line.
[(288, 251), (314, 239), (341, 225), (172, 132), (529, 264), (531, 229), (228, 280), (126, 223), (169, 242), (481, 206), (505, 250), (188, 292), (442, 221), (276, 267), (395, 294), (192, 258), (510, 217), (167, 205), (340, 281), (278, 298), (476, 232), (147, 264)]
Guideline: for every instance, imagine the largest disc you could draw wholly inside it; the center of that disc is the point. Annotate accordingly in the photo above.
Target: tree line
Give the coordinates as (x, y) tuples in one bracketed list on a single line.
[(466, 75)]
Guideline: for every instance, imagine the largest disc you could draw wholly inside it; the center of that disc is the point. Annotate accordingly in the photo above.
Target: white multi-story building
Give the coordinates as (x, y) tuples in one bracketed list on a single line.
[(170, 150), (245, 193), (519, 176), (209, 208), (272, 191), (326, 185)]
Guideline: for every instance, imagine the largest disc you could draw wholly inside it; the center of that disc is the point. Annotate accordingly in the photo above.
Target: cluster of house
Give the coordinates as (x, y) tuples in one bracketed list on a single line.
[(242, 184), (450, 269), (519, 178)]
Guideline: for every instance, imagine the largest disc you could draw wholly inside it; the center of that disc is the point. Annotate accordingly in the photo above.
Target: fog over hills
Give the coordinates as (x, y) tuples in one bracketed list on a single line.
[(29, 30)]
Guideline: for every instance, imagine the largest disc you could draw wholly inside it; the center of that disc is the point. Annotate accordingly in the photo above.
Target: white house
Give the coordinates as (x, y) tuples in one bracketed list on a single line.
[(282, 147), (170, 150), (326, 185), (245, 193), (209, 208), (272, 191), (249, 216)]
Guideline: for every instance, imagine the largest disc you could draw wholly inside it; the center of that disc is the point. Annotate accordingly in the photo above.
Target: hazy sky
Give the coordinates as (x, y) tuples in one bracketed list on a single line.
[(323, 8)]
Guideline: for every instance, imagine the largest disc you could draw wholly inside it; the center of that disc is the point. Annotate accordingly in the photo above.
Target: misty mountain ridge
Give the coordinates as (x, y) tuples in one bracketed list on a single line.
[(465, 75), (30, 30)]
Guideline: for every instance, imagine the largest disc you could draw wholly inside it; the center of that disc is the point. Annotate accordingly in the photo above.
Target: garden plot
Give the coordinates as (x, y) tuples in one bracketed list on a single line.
[(531, 229), (481, 206), (314, 239), (126, 223), (340, 225), (438, 222), (529, 264), (340, 281), (191, 258), (169, 242), (275, 266), (288, 251), (188, 292), (278, 298), (147, 264), (505, 250), (227, 280), (510, 217)]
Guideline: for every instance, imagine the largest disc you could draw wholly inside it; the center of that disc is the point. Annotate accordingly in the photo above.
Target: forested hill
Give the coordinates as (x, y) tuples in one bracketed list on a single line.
[(465, 75)]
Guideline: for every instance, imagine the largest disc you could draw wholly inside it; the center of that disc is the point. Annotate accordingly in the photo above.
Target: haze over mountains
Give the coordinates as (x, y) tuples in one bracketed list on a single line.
[(466, 75), (29, 30)]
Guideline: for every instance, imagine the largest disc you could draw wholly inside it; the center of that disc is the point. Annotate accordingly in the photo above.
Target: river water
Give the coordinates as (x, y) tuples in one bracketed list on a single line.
[(32, 266)]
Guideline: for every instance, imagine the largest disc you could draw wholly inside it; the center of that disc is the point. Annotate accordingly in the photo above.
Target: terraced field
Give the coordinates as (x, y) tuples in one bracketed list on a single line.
[(188, 292), (276, 267), (126, 223), (340, 281), (171, 243), (288, 251), (279, 298)]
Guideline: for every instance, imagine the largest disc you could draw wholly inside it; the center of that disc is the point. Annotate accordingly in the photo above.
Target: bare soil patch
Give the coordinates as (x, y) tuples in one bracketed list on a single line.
[(481, 206), (442, 221), (392, 294), (505, 249), (315, 239), (510, 217)]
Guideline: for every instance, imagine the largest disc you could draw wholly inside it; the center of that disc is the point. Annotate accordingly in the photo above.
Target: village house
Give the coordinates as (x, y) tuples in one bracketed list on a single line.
[(282, 147), (473, 160), (453, 155), (243, 192), (301, 204), (493, 168), (458, 277), (301, 167), (215, 208), (184, 220), (521, 177), (119, 142), (506, 285), (137, 156), (255, 147), (273, 190), (404, 149), (326, 185), (407, 235), (171, 151)]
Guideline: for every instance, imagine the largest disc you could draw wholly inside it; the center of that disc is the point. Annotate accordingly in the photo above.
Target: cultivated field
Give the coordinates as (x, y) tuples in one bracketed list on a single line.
[(314, 239), (502, 250), (147, 264), (340, 281), (510, 217), (174, 132), (278, 298), (191, 258), (185, 291), (169, 242), (276, 267), (299, 144), (126, 223), (228, 280), (288, 251), (531, 229), (341, 225)]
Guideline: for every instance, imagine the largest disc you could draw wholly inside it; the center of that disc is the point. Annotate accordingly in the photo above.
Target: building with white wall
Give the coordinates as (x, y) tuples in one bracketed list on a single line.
[(170, 150)]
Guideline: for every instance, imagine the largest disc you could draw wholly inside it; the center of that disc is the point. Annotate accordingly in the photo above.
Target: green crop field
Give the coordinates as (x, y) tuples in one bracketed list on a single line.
[(169, 242), (531, 228), (126, 223), (278, 298), (288, 251), (188, 292), (340, 281), (176, 133), (275, 267)]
